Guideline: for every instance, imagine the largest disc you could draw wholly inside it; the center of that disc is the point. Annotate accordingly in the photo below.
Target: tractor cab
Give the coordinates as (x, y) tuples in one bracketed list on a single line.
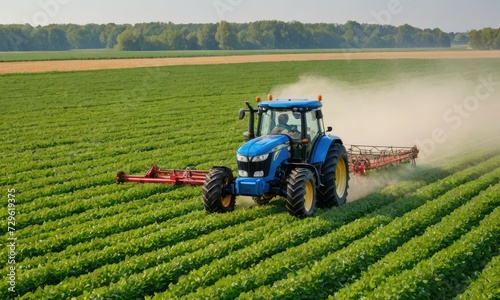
[(289, 155), (301, 121)]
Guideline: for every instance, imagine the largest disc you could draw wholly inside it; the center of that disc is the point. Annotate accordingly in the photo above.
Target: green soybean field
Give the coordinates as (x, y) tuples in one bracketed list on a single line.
[(70, 232)]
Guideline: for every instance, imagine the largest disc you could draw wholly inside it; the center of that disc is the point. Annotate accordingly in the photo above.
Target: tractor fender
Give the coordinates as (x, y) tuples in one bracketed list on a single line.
[(320, 150)]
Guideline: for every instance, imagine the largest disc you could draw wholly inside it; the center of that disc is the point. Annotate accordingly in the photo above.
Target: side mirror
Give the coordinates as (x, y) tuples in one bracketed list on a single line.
[(329, 129), (242, 114), (319, 114)]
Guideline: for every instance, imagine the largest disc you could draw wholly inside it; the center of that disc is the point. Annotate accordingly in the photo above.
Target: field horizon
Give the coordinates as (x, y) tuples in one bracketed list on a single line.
[(41, 64), (92, 54)]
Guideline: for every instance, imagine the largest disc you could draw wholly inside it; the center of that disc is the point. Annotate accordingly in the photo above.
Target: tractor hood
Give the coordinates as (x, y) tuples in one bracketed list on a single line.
[(264, 145)]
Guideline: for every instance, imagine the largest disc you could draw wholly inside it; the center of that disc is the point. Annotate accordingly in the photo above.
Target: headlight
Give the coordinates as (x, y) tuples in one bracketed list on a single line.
[(258, 174), (260, 158), (241, 158)]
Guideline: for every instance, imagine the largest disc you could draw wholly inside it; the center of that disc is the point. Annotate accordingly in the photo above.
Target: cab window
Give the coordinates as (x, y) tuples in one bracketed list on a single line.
[(313, 126)]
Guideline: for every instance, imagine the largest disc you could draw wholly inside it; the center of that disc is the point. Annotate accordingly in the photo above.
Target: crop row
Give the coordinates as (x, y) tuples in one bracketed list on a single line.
[(48, 215), (213, 266), (98, 244), (79, 151), (112, 249), (438, 276), (45, 139), (153, 125), (110, 273), (54, 168), (182, 253), (84, 180), (487, 285), (137, 264), (467, 174), (329, 274), (235, 266), (96, 173), (72, 206), (80, 233), (60, 258), (100, 195), (278, 266), (66, 179), (43, 191), (434, 239), (100, 214), (83, 155), (108, 131), (158, 277)]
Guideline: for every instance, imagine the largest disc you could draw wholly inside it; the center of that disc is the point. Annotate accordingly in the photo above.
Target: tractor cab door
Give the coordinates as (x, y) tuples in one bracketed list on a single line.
[(313, 121)]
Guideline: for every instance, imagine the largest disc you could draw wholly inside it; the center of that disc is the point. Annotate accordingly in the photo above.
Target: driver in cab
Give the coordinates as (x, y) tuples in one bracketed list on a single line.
[(284, 128)]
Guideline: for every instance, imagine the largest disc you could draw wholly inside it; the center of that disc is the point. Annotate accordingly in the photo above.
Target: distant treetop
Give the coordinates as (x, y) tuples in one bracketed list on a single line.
[(225, 35)]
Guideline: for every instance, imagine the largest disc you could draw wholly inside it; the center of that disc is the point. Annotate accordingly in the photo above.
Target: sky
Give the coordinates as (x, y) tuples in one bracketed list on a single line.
[(448, 15)]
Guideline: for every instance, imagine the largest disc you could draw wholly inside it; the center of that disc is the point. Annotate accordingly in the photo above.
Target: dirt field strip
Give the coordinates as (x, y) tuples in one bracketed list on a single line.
[(85, 65)]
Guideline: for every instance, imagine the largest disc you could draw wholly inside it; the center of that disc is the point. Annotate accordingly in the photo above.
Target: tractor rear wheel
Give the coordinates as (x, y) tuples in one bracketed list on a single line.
[(215, 196), (301, 193), (335, 177)]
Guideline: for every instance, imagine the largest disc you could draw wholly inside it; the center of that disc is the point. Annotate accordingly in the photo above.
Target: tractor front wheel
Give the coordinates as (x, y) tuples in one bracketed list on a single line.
[(301, 193), (216, 197)]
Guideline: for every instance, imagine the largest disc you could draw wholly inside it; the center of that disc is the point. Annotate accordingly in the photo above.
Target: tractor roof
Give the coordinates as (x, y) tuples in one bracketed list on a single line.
[(291, 103)]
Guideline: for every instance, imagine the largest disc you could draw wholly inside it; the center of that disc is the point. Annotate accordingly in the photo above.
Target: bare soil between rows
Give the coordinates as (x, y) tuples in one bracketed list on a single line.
[(105, 64)]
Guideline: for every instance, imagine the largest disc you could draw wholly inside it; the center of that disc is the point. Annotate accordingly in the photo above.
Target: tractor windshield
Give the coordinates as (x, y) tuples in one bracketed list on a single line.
[(300, 126), (280, 122), (287, 122)]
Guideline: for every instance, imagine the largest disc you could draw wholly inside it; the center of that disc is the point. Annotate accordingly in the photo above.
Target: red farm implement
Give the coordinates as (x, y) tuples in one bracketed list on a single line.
[(363, 158), (170, 176)]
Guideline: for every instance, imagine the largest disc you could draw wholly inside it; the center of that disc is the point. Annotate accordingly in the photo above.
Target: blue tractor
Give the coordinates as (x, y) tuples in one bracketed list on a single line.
[(291, 155)]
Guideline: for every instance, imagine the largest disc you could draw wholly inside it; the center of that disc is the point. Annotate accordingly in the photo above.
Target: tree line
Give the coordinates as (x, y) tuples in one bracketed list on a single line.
[(223, 35), (485, 39)]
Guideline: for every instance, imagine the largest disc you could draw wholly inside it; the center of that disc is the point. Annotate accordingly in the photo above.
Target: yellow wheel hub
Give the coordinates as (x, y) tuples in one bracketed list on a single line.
[(226, 200), (308, 196), (341, 177)]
